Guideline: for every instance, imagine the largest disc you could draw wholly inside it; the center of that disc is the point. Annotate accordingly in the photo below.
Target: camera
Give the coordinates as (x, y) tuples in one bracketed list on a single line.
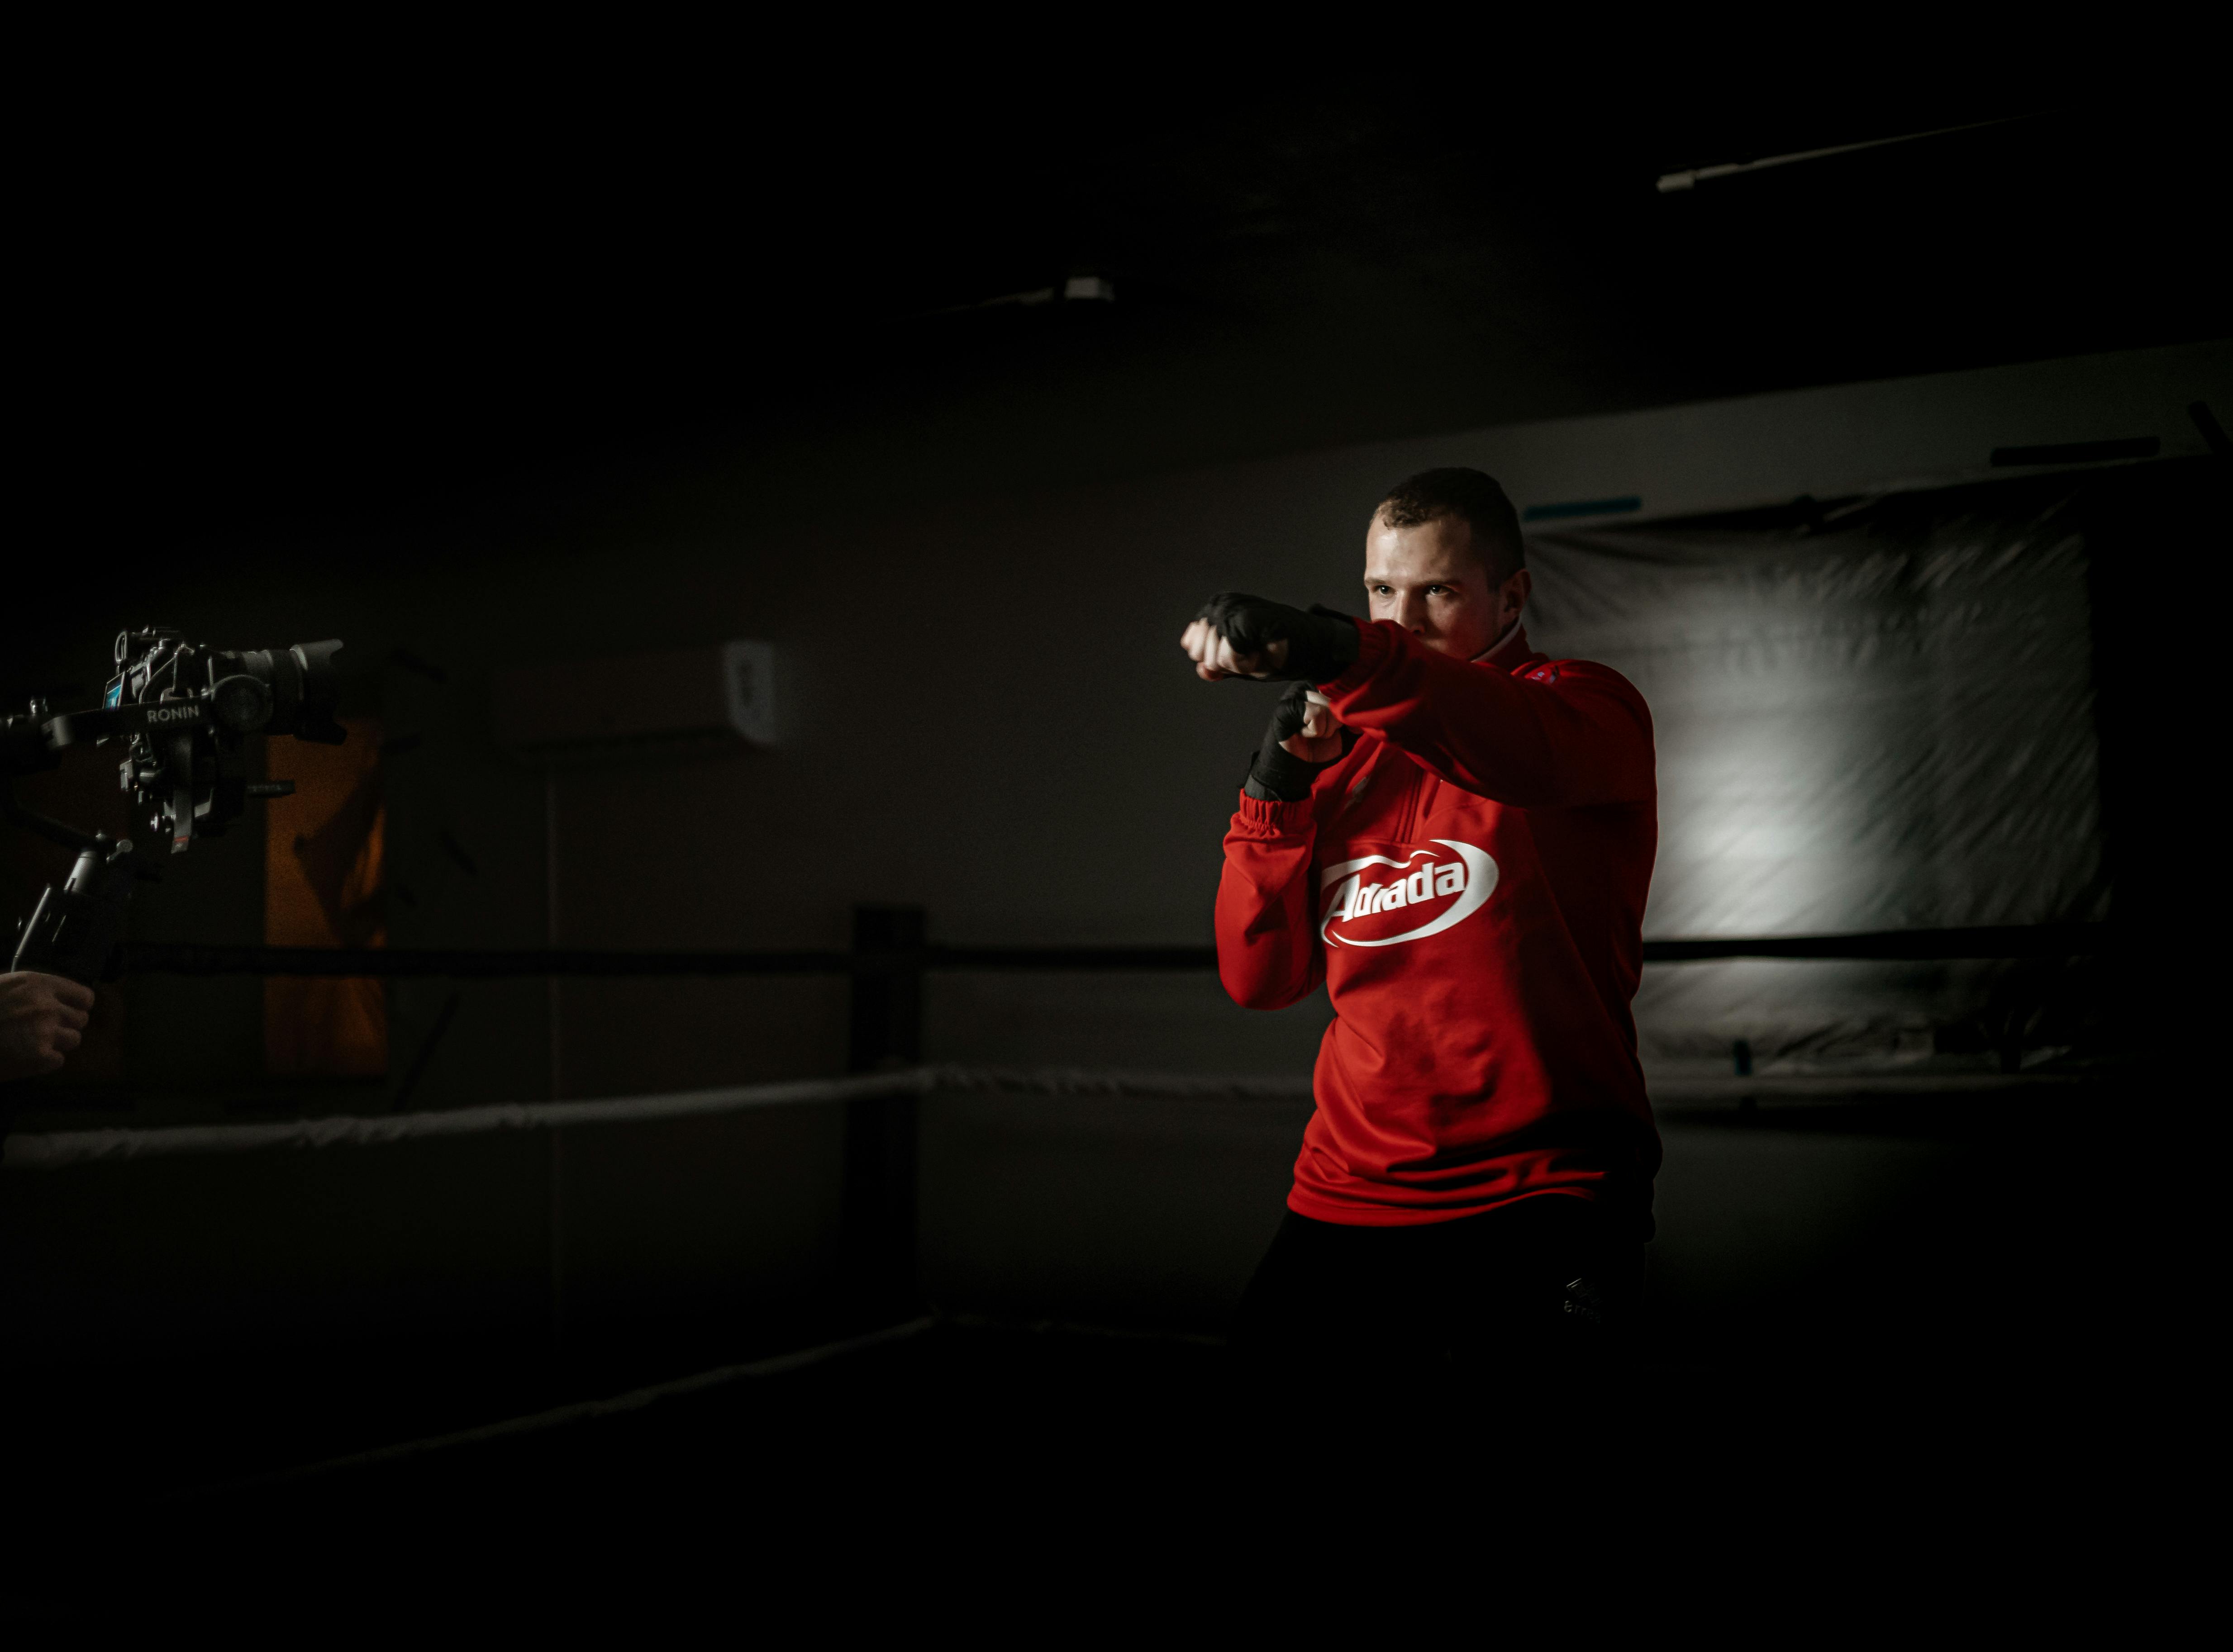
[(185, 707), (183, 710)]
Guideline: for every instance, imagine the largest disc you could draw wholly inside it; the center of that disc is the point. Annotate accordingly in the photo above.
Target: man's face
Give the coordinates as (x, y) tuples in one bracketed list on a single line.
[(1430, 581)]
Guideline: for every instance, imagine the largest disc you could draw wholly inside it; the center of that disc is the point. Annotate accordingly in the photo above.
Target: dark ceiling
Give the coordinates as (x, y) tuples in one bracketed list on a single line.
[(256, 317)]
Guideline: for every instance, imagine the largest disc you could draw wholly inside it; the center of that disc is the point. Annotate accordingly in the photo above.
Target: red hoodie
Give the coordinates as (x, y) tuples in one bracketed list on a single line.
[(1468, 883)]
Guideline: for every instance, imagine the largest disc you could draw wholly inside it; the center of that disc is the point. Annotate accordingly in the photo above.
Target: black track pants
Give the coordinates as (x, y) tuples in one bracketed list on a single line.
[(1540, 1293)]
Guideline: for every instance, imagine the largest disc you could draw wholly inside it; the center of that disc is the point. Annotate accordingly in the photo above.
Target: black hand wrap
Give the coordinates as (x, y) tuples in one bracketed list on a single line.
[(1275, 774), (1320, 643)]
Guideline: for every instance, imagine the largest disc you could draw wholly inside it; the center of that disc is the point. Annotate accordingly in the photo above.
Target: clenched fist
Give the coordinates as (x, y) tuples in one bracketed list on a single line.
[(1238, 635), (43, 1018), (1304, 738)]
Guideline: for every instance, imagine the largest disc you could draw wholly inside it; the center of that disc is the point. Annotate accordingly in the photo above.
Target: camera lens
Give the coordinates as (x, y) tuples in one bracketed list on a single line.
[(304, 689), (320, 691), (242, 704)]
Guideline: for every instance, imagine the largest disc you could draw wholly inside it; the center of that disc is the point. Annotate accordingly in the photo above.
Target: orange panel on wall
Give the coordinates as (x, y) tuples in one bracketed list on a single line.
[(322, 887)]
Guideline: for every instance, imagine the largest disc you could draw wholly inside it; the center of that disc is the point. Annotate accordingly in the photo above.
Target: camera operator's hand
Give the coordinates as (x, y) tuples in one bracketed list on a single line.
[(43, 1018), (1303, 739), (1236, 636)]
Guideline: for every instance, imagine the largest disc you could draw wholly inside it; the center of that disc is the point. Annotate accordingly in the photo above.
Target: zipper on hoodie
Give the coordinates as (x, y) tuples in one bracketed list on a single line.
[(1411, 803), (1359, 783)]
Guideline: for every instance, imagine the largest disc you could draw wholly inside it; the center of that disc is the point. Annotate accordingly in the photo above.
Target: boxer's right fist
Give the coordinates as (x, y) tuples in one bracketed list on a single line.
[(1238, 635), (43, 1018)]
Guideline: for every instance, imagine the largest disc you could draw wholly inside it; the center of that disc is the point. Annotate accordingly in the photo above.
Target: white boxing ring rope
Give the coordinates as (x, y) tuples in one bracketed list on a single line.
[(58, 1149)]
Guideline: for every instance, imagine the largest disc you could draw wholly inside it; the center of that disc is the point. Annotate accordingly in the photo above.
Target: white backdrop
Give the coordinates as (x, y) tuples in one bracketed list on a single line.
[(1880, 719)]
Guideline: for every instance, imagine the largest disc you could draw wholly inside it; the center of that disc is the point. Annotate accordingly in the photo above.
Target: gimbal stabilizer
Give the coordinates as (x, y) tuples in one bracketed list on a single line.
[(183, 709)]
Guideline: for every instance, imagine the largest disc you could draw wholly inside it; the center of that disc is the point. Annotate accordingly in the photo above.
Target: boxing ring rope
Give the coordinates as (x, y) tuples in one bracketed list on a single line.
[(888, 1081), (1992, 941), (876, 1238), (579, 1412), (888, 950), (58, 1149)]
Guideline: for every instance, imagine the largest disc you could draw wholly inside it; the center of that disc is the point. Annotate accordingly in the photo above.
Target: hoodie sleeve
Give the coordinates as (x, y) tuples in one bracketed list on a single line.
[(1566, 734), (1267, 945)]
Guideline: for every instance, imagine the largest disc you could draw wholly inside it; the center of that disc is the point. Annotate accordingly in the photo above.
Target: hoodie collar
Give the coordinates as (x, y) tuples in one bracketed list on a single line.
[(1508, 650)]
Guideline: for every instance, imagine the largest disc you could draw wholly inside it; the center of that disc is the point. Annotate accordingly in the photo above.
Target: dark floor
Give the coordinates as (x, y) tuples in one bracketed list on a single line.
[(2011, 1369), (950, 1458)]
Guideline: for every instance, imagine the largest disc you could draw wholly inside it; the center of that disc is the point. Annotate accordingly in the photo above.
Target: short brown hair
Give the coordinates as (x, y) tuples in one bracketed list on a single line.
[(1474, 498)]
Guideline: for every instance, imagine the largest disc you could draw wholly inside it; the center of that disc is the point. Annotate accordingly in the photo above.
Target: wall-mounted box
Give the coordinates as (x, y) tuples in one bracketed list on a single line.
[(715, 696)]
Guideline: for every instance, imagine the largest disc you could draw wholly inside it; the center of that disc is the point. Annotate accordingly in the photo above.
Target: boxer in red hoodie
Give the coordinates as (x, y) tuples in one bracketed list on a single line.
[(1455, 834)]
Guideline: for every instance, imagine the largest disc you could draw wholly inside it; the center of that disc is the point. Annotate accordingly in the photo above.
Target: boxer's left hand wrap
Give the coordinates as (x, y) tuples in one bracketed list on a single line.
[(1277, 775), (1321, 644)]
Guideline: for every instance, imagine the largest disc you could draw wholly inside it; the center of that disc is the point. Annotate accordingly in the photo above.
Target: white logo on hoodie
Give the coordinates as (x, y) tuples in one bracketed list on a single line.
[(1470, 878)]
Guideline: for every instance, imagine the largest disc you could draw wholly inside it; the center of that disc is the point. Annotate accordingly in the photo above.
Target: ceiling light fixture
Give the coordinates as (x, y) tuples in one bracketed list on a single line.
[(1672, 183), (1076, 289)]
